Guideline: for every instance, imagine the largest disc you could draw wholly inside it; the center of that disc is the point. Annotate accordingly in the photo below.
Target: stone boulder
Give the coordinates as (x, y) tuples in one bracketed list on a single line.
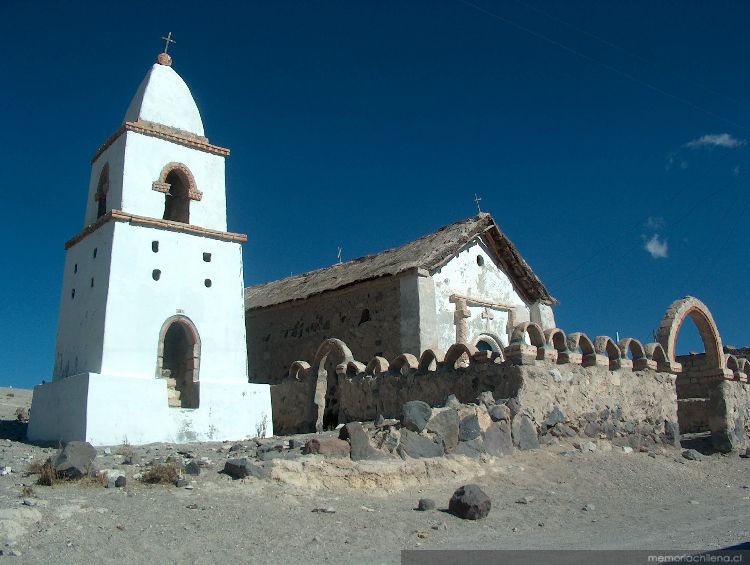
[(359, 443), (555, 417), (241, 468), (486, 399), (671, 433), (498, 440), (470, 502), (444, 424), (499, 412), (473, 448), (524, 433), (418, 446), (469, 427), (75, 460), (327, 447), (416, 414)]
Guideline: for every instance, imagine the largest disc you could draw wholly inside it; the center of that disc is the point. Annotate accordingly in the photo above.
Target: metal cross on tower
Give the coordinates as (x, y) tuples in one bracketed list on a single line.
[(167, 41), (477, 200)]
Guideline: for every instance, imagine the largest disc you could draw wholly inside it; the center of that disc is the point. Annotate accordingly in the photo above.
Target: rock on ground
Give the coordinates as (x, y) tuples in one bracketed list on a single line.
[(470, 502)]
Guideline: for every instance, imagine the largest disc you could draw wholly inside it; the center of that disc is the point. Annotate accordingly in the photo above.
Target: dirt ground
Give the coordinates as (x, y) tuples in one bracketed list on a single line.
[(552, 498)]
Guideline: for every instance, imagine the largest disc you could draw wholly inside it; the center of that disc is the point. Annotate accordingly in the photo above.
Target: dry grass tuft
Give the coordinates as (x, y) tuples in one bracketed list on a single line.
[(126, 450), (161, 474), (47, 475), (27, 492), (35, 467), (94, 480)]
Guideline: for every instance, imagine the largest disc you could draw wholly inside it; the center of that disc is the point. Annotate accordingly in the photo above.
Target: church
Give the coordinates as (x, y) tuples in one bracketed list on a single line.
[(151, 334), (465, 283), (154, 342)]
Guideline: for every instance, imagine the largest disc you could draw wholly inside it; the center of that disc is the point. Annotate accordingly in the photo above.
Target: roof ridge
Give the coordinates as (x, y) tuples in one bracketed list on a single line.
[(482, 215)]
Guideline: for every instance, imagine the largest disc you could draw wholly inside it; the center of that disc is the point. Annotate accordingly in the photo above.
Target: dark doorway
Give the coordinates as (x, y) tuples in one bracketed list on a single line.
[(331, 412), (178, 366)]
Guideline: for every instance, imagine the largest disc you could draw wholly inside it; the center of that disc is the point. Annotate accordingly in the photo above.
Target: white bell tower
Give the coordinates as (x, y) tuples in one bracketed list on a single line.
[(151, 335)]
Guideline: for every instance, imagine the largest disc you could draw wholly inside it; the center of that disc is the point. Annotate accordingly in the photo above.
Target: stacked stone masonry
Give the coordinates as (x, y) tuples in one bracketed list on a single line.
[(644, 385)]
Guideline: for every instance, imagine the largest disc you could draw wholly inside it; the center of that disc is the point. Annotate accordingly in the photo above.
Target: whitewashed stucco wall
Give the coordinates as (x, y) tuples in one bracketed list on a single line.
[(137, 306), (464, 276), (137, 160)]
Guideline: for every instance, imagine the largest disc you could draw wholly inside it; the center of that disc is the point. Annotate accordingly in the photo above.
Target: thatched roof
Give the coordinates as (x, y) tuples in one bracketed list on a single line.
[(429, 252)]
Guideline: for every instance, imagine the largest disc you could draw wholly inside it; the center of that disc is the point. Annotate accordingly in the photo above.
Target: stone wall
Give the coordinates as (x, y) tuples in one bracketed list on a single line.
[(367, 317), (729, 415), (595, 399), (603, 388)]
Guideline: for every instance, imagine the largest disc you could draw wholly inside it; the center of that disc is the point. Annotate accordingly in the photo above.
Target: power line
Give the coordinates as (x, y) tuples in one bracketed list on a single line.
[(621, 49), (612, 68)]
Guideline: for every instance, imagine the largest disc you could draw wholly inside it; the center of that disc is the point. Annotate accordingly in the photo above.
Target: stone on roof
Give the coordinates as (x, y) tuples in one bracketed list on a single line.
[(429, 252)]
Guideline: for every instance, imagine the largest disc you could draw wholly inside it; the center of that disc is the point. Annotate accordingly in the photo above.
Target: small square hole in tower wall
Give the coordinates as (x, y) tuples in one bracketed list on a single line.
[(207, 257), (207, 282), (156, 274), (155, 246)]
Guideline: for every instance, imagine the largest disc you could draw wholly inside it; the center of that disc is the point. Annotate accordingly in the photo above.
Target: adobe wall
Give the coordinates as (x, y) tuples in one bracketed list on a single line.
[(729, 419), (612, 401), (604, 389), (367, 317)]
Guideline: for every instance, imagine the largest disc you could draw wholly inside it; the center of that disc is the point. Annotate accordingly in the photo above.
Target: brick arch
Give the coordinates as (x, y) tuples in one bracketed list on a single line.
[(655, 352), (351, 368), (555, 338), (698, 312), (744, 366), (732, 364), (161, 184), (605, 345), (533, 330), (633, 346), (192, 372), (325, 391), (177, 202), (377, 366), (404, 363), (299, 370), (490, 339), (430, 358), (456, 351), (579, 340)]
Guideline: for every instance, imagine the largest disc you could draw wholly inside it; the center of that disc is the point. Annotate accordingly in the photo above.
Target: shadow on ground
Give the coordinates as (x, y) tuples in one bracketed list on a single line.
[(13, 430)]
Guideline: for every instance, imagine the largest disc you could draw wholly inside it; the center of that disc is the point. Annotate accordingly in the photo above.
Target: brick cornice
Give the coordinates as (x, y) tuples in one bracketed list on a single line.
[(120, 216), (167, 133)]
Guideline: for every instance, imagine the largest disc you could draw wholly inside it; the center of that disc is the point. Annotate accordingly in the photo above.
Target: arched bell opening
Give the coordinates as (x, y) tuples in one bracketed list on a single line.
[(177, 200)]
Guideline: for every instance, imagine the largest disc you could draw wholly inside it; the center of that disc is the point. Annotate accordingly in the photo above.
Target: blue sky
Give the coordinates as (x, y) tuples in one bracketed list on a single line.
[(608, 139)]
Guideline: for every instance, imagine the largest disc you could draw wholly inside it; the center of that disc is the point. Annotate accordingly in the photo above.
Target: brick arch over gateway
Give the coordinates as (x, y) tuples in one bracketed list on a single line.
[(669, 329), (324, 402)]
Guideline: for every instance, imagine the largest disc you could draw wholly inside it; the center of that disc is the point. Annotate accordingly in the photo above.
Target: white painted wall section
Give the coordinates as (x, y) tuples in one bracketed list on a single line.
[(464, 275), (137, 160), (110, 410)]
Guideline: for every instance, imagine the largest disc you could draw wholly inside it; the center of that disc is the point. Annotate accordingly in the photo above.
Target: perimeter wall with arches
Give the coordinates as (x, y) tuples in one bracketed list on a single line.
[(629, 391)]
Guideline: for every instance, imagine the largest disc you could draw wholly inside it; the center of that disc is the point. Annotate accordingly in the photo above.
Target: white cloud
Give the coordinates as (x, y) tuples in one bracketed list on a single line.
[(655, 223), (716, 140), (657, 247)]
